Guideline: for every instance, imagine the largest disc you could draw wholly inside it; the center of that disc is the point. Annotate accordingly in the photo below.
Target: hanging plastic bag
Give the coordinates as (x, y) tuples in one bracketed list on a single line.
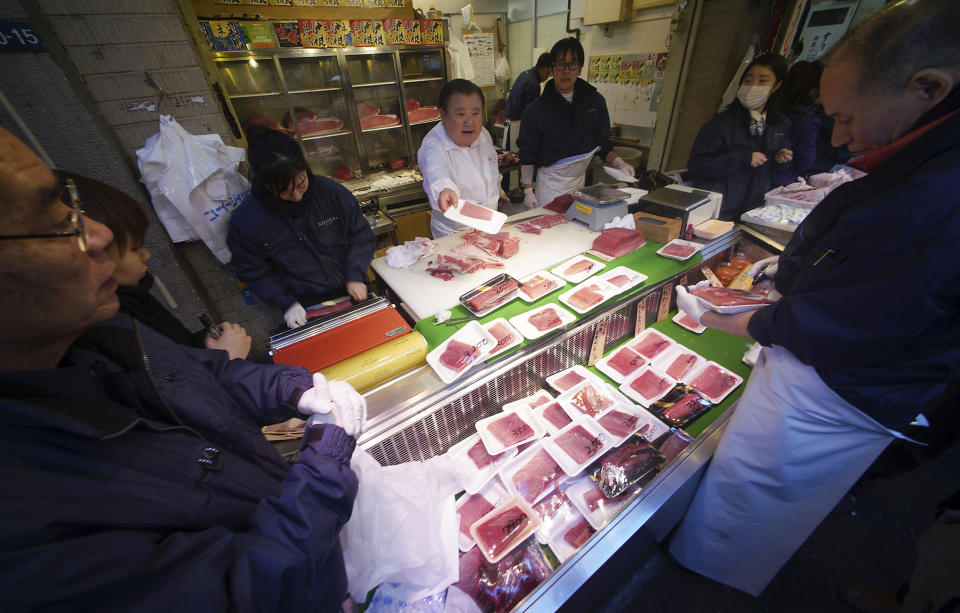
[(502, 73), (403, 528), (193, 183)]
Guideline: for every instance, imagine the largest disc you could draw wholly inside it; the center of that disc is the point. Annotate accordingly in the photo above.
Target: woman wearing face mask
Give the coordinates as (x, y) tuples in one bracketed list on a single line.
[(457, 158), (298, 239), (735, 151)]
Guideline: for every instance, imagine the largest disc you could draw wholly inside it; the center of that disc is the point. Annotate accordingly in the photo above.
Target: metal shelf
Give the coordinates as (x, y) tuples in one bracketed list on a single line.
[(318, 90), (399, 124), (257, 95), (326, 135), (423, 79), (375, 84)]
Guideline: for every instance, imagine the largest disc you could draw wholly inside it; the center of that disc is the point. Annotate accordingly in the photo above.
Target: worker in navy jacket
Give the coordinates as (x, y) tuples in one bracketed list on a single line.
[(135, 474), (298, 239), (864, 340), (735, 151)]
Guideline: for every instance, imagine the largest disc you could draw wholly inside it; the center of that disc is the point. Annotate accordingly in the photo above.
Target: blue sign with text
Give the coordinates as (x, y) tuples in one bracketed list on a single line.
[(19, 36)]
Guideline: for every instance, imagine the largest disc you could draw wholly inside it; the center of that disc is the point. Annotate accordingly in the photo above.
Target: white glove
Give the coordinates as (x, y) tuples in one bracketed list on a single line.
[(622, 166), (295, 316), (690, 304), (769, 267), (529, 198), (335, 402)]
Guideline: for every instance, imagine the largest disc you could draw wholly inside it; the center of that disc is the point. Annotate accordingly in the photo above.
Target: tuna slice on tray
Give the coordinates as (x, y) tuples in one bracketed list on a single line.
[(651, 346), (503, 335), (539, 401), (501, 243), (476, 211), (555, 414), (619, 280), (713, 381), (687, 321), (579, 444), (496, 294), (586, 297), (378, 121), (545, 320), (617, 242), (625, 361), (458, 355), (626, 465), (473, 509), (595, 499), (567, 381), (425, 113), (499, 532), (590, 401), (366, 110), (678, 251), (478, 453), (681, 365), (619, 423), (319, 125), (510, 429), (578, 534), (538, 286), (683, 409), (650, 384), (578, 267), (540, 473), (722, 296)]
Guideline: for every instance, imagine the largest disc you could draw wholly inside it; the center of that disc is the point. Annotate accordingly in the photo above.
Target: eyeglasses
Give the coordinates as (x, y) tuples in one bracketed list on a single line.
[(77, 230), (567, 66)]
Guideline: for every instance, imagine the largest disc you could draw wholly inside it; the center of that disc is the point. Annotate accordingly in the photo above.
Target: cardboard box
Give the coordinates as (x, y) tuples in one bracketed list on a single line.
[(656, 228)]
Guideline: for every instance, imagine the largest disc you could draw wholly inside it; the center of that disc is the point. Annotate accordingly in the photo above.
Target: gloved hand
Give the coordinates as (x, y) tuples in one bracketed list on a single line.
[(769, 267), (335, 402), (690, 304), (529, 198), (295, 316), (622, 166)]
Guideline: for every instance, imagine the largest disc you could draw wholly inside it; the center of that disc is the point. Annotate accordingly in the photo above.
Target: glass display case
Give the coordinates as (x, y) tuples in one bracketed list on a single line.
[(356, 111)]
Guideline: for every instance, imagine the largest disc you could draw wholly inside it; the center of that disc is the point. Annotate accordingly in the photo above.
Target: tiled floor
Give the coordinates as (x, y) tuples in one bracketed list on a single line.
[(873, 542)]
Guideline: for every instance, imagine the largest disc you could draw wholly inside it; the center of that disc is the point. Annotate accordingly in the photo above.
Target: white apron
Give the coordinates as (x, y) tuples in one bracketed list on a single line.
[(562, 177), (790, 452)]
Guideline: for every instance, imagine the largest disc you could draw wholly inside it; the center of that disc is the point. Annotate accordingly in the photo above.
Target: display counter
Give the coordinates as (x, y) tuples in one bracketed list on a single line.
[(416, 416)]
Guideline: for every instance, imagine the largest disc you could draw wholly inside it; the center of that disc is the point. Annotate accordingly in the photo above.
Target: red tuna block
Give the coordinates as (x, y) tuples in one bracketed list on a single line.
[(650, 384), (470, 511), (540, 473), (618, 423), (510, 429), (545, 320), (579, 444), (578, 534), (617, 242), (625, 361), (458, 355)]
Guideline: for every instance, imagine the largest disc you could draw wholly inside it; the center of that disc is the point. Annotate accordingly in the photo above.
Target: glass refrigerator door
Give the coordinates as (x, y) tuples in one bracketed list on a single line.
[(253, 86), (376, 92), (422, 80), (324, 122)]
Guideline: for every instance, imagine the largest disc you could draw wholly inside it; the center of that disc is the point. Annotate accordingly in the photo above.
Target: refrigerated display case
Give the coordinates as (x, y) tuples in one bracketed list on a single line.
[(416, 416), (357, 111)]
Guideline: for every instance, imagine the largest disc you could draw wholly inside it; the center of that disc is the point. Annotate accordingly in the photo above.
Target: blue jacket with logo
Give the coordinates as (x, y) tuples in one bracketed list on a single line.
[(552, 128), (304, 252), (871, 283), (136, 478), (721, 154)]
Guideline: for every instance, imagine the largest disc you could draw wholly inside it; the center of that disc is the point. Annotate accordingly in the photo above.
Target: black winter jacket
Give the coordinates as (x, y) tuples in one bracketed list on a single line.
[(552, 128)]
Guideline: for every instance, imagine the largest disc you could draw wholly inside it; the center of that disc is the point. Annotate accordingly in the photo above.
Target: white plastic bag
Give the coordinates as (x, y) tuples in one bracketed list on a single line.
[(403, 528), (193, 183)]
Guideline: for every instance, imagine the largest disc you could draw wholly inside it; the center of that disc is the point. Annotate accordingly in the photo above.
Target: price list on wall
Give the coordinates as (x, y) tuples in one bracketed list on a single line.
[(19, 36)]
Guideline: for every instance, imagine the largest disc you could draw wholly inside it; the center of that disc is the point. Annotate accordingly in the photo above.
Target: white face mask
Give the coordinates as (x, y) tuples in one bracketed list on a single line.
[(753, 96)]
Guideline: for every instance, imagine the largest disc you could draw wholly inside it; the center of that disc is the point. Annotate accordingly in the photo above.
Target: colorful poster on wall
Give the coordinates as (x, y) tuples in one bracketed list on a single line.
[(354, 3), (412, 31), (362, 30), (223, 35), (288, 33), (259, 34), (330, 3), (393, 4), (630, 84), (431, 31), (379, 36), (394, 32), (481, 46), (338, 33), (310, 3), (313, 33), (373, 4), (281, 2)]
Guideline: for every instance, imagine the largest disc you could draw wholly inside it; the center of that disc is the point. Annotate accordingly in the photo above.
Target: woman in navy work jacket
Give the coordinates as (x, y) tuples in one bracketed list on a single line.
[(735, 151), (298, 239), (810, 128)]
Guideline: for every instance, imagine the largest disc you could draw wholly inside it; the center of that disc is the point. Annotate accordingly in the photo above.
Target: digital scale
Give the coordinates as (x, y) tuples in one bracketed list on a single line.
[(597, 206)]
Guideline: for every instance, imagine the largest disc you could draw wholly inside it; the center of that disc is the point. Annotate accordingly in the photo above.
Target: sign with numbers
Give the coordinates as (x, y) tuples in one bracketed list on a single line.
[(19, 36)]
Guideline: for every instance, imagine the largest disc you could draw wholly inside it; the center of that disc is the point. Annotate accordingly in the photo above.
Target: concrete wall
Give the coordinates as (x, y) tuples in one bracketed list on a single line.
[(86, 99)]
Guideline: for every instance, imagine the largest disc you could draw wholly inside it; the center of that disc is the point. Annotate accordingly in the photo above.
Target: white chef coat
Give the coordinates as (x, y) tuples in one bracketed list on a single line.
[(471, 171), (789, 453)]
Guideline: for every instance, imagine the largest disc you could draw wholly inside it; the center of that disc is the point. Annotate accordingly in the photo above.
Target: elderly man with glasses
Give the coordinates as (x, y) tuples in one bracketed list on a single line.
[(569, 119), (135, 473)]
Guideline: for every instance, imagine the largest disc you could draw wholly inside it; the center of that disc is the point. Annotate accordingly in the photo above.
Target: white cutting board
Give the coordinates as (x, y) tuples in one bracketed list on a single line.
[(425, 294)]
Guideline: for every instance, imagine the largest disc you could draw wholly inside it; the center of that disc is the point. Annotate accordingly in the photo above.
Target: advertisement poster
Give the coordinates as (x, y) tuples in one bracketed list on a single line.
[(223, 35), (259, 35), (481, 46), (288, 33), (630, 84)]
